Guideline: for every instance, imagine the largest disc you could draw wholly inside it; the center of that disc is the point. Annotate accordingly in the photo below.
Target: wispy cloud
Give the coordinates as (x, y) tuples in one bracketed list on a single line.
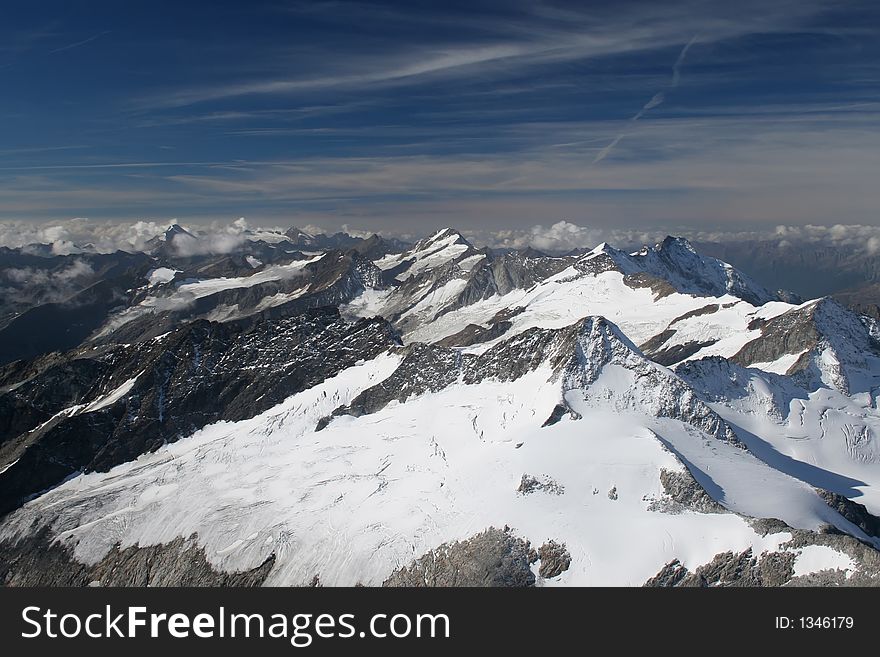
[(676, 68), (77, 44), (39, 149), (788, 168), (656, 100), (564, 236), (499, 47)]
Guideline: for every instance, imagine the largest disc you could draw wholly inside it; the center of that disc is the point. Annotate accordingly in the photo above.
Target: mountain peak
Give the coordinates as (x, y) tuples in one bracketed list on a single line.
[(671, 242), (449, 234), (295, 234), (831, 346), (174, 231)]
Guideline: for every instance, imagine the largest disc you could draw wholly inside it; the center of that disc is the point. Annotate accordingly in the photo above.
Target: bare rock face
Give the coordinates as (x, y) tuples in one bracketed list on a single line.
[(856, 513), (555, 559), (684, 490), (200, 373), (543, 484), (669, 576), (38, 561), (658, 286), (494, 557), (818, 330), (475, 334), (729, 569), (576, 354)]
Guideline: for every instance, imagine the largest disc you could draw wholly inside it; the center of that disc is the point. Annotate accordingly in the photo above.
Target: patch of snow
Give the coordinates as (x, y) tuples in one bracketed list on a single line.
[(816, 558), (7, 466), (467, 264), (206, 287), (370, 303), (161, 275), (779, 366), (366, 494), (111, 397), (427, 254)]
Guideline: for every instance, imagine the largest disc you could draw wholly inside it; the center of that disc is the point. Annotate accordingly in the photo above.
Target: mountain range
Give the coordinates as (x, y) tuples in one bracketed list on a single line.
[(336, 410)]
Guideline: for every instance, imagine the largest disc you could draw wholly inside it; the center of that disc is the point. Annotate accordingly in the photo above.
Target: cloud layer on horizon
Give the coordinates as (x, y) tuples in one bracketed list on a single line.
[(217, 237)]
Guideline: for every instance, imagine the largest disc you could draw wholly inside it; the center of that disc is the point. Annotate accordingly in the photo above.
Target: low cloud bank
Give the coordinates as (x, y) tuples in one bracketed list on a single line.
[(564, 236), (82, 235)]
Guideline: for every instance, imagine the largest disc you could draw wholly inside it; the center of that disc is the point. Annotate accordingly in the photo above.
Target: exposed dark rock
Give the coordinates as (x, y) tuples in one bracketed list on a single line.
[(670, 575), (559, 412), (494, 274), (200, 373), (475, 334), (705, 310), (727, 569), (767, 526), (777, 568), (334, 279), (679, 352), (506, 314), (494, 557), (856, 513), (809, 330), (52, 302), (34, 400), (554, 559), (684, 490), (38, 561), (529, 484), (661, 288), (576, 354), (37, 330), (652, 344), (789, 333)]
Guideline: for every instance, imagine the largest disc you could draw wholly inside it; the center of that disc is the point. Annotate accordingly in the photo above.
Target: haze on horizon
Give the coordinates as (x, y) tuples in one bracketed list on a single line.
[(404, 117)]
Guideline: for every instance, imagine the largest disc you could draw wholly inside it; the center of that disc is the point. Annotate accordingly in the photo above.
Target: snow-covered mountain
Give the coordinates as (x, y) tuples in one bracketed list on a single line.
[(309, 409)]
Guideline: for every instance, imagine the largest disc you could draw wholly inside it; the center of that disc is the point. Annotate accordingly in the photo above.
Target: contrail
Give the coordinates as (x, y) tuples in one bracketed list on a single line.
[(78, 43), (678, 62), (656, 99)]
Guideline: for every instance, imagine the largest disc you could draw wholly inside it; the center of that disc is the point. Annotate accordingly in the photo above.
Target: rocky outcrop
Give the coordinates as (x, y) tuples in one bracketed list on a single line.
[(161, 390), (679, 352), (494, 557), (777, 568), (729, 569), (717, 379), (554, 559), (856, 513), (698, 312), (542, 484), (39, 561), (475, 334), (660, 287), (685, 492), (831, 342), (674, 265), (331, 280), (575, 355)]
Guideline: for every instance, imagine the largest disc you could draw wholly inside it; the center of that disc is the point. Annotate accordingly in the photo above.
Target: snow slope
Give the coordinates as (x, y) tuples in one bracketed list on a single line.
[(354, 501), (442, 247), (763, 403)]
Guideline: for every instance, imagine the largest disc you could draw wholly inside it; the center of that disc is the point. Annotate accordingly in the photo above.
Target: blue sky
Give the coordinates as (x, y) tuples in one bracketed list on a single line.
[(405, 117)]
